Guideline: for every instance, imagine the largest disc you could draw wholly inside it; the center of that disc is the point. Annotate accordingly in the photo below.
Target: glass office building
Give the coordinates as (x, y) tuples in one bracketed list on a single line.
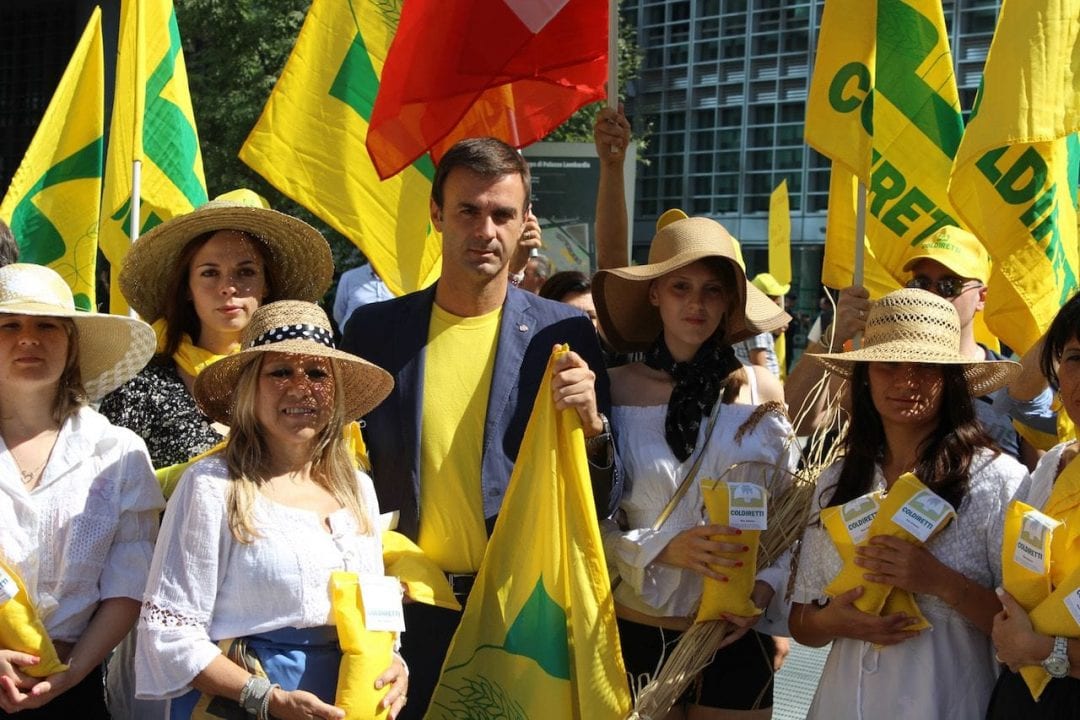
[(723, 88)]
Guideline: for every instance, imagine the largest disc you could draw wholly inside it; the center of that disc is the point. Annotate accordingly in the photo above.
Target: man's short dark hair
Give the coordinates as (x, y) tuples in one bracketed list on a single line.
[(9, 249), (485, 156)]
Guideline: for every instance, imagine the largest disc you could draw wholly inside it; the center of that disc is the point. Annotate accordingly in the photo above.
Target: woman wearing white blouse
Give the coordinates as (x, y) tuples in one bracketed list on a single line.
[(78, 499), (252, 533)]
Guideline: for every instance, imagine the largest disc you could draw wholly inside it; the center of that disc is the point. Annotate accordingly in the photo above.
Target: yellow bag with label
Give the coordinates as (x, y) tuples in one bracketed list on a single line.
[(365, 654), (912, 512), (744, 506), (1027, 553), (849, 527), (21, 629), (423, 580), (1058, 614)]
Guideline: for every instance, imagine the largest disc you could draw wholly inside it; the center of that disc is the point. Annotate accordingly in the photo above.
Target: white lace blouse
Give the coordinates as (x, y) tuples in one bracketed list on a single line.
[(86, 532), (205, 586), (653, 475), (946, 672)]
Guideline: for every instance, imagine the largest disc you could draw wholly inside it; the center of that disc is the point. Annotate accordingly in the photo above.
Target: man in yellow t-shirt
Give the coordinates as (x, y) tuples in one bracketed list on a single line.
[(468, 356)]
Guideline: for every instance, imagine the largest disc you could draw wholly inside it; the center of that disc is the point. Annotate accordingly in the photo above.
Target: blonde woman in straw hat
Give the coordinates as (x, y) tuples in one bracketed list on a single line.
[(684, 309), (78, 500), (198, 278), (252, 533), (911, 393)]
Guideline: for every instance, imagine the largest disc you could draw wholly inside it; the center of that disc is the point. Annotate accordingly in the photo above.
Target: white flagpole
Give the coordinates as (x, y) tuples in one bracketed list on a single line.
[(613, 59)]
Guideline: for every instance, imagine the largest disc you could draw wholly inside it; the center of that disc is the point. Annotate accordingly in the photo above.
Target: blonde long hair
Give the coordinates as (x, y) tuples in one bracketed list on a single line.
[(247, 455)]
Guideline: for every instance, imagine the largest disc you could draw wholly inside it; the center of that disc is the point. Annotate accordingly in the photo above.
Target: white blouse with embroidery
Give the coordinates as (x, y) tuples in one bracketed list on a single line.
[(946, 672), (206, 586), (654, 474), (85, 533)]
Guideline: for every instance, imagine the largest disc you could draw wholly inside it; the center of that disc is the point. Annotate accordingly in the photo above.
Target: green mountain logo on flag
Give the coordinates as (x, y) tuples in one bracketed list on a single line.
[(534, 653)]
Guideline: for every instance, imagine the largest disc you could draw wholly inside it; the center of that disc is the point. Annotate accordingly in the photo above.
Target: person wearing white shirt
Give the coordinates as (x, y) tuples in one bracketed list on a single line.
[(79, 502), (252, 534)]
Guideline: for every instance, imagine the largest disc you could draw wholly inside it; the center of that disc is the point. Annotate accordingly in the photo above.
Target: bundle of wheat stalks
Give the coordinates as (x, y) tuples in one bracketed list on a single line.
[(790, 496)]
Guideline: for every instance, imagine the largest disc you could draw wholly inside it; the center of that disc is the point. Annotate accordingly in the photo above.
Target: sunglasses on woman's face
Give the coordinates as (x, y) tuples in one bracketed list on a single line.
[(947, 287)]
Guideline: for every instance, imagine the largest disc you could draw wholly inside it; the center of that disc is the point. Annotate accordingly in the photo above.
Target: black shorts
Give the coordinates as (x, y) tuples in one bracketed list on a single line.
[(740, 677), (1012, 700), (85, 701)]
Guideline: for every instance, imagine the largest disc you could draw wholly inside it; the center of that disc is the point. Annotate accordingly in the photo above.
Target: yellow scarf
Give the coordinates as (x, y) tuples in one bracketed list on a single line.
[(189, 357)]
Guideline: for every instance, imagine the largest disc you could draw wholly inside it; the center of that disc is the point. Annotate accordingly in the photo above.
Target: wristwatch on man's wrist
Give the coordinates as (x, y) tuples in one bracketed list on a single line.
[(1057, 664), (600, 443)]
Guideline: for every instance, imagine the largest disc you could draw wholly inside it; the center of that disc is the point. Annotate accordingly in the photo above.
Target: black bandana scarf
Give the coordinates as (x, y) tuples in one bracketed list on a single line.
[(697, 388)]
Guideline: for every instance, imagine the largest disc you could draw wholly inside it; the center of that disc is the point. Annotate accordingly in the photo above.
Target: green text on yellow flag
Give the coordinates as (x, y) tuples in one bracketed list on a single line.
[(884, 104), (153, 122), (310, 142), (52, 202), (538, 637), (1014, 180)]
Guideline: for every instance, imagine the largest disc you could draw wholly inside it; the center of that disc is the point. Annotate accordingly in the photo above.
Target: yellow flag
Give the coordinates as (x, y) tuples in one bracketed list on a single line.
[(780, 234), (152, 121), (838, 266), (1014, 180), (310, 142), (884, 104), (538, 637), (52, 202)]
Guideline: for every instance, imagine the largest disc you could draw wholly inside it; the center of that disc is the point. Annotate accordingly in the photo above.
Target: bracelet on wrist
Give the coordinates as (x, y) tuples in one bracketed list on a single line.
[(251, 695)]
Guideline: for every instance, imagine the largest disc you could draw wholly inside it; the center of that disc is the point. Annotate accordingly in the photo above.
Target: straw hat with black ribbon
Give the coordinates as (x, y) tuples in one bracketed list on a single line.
[(631, 322), (112, 348), (917, 326), (297, 328), (303, 265)]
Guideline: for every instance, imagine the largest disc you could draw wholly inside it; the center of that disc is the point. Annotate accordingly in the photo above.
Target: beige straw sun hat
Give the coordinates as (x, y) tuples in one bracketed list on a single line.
[(298, 328), (112, 348), (916, 326), (303, 265), (631, 322)]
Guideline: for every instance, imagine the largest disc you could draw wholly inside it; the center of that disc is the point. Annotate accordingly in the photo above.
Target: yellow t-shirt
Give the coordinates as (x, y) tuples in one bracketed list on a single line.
[(457, 381)]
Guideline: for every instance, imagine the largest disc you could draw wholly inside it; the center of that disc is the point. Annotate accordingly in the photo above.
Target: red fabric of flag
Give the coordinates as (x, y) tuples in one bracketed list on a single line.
[(512, 69)]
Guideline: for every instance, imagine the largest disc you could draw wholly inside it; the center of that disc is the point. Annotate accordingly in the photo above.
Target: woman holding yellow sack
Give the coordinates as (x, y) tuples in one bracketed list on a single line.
[(684, 309), (911, 396), (78, 500), (239, 611), (198, 278), (1054, 490)]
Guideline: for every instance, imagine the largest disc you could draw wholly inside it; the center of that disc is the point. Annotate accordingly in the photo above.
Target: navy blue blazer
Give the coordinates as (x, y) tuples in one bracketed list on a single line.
[(393, 334)]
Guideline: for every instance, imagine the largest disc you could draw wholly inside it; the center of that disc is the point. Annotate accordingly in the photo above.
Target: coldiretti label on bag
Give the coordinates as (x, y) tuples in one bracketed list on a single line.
[(922, 514), (8, 588), (858, 514), (1032, 547), (1072, 604), (747, 506)]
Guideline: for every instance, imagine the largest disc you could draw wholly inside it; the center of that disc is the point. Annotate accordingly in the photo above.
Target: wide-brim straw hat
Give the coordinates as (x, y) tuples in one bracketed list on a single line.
[(298, 328), (112, 348), (303, 265), (917, 326), (621, 295)]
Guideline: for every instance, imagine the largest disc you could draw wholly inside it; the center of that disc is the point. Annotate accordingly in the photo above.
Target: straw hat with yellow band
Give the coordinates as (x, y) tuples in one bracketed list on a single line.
[(112, 348), (917, 326), (297, 328), (302, 264), (631, 322)]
